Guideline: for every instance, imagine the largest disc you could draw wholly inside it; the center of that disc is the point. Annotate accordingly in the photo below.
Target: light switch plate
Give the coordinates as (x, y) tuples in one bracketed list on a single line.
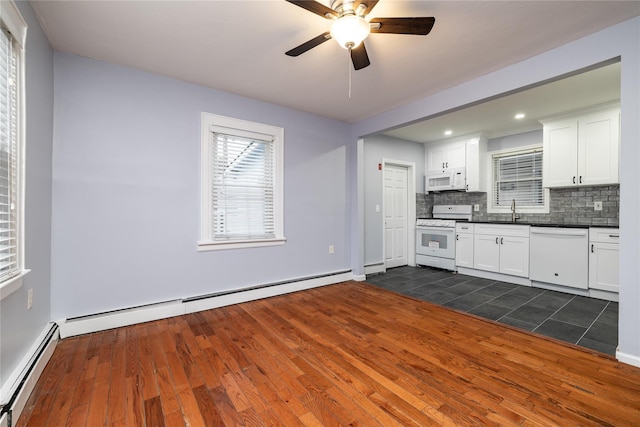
[(597, 206), (476, 208)]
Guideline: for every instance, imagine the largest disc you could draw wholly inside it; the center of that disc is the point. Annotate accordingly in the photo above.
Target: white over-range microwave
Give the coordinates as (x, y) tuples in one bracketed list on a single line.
[(449, 179)]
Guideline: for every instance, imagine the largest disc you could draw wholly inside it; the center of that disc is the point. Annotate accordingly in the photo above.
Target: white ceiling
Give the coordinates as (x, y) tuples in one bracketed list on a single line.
[(238, 46), (496, 117)]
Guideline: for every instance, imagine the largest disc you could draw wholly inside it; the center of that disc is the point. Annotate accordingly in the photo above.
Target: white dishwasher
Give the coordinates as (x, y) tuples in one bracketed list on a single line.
[(560, 256)]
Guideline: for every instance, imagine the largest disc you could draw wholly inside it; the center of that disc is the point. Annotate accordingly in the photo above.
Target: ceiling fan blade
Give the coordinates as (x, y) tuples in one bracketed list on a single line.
[(359, 57), (315, 7), (299, 50), (370, 4), (418, 26)]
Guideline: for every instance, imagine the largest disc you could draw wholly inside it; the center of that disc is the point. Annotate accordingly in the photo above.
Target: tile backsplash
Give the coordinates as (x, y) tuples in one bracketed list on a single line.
[(566, 206)]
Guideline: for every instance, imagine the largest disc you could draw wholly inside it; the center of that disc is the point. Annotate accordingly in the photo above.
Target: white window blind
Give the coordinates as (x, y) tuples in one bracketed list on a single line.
[(9, 262), (518, 176), (242, 197)]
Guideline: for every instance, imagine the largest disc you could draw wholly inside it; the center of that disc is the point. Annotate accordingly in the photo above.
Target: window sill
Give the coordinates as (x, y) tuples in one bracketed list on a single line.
[(10, 286), (204, 246)]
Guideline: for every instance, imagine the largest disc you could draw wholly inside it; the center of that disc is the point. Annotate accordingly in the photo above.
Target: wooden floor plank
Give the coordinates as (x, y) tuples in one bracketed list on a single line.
[(346, 354)]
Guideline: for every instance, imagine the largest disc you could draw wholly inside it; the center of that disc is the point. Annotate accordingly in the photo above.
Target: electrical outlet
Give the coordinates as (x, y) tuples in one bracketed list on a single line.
[(331, 249), (597, 206), (476, 208), (29, 299)]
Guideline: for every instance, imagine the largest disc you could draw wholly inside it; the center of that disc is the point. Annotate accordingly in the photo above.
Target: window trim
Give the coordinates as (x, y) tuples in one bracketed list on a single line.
[(14, 23), (211, 122), (490, 191)]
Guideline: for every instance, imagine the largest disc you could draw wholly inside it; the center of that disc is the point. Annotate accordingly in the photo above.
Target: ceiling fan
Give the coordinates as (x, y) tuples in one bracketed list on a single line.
[(350, 28)]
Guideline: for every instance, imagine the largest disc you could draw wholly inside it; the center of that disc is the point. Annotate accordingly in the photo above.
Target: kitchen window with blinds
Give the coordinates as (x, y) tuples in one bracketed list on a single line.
[(12, 36), (241, 184), (517, 176)]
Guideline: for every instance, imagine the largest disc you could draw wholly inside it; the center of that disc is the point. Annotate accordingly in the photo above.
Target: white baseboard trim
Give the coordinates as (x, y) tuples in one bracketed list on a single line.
[(134, 315), (494, 276), (359, 277), (629, 359), (23, 379), (560, 288), (605, 295), (374, 268)]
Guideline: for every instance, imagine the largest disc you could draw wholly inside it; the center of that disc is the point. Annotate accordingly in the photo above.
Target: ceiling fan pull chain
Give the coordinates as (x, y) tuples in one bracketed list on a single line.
[(349, 68)]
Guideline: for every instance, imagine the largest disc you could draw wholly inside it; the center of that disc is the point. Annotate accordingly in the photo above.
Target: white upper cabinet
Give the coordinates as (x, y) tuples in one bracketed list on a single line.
[(466, 154), (598, 146), (476, 151), (582, 150), (441, 157)]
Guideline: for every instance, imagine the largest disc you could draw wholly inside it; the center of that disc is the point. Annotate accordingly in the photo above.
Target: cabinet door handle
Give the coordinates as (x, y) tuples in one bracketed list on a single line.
[(614, 235), (447, 164), (467, 187), (580, 179), (574, 179), (442, 165), (592, 248), (457, 237), (502, 240), (496, 240)]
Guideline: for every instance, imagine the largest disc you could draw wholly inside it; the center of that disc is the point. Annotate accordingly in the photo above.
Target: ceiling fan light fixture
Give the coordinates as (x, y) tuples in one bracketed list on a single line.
[(349, 31)]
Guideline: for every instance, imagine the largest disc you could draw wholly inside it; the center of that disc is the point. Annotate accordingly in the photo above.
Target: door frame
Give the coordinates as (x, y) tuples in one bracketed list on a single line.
[(411, 207)]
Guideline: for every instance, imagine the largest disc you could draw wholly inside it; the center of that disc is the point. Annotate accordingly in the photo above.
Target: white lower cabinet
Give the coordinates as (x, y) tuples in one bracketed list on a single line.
[(514, 256), (464, 245), (502, 249), (551, 257), (486, 252), (603, 259)]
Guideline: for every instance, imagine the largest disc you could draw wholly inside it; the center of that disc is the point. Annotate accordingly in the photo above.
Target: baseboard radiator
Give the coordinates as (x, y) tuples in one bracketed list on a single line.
[(16, 390), (161, 310)]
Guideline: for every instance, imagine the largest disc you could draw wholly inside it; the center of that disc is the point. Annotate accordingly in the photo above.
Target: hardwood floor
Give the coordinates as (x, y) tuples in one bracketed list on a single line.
[(346, 354)]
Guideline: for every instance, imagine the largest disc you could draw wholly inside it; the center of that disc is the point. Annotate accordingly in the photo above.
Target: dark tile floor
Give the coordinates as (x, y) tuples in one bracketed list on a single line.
[(587, 322)]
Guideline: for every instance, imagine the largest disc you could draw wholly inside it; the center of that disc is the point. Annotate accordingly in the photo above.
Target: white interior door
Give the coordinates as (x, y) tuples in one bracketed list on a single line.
[(396, 219)]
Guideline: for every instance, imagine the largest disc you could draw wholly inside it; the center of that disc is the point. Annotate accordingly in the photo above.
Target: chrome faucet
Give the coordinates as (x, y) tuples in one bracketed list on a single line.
[(513, 211)]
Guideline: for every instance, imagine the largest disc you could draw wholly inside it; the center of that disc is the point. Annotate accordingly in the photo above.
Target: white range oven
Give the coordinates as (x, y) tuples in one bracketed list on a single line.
[(436, 237)]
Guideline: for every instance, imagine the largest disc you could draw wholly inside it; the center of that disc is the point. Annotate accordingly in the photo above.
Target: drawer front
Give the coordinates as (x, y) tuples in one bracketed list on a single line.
[(502, 230), (462, 227), (604, 235)]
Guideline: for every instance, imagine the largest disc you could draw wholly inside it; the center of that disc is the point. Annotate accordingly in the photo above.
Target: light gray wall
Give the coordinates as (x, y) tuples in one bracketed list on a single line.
[(126, 191), (377, 148), (622, 40), (20, 327)]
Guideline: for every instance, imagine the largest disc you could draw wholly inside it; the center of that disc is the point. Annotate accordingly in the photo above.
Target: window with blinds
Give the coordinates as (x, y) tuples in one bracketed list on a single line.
[(242, 184), (242, 202), (518, 176), (9, 238)]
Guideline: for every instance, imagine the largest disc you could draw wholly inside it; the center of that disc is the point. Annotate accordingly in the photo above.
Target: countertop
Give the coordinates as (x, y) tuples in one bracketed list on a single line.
[(538, 224)]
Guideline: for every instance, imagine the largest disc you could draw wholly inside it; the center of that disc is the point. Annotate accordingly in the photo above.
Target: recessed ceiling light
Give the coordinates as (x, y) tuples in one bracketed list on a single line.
[(520, 116), (448, 132)]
